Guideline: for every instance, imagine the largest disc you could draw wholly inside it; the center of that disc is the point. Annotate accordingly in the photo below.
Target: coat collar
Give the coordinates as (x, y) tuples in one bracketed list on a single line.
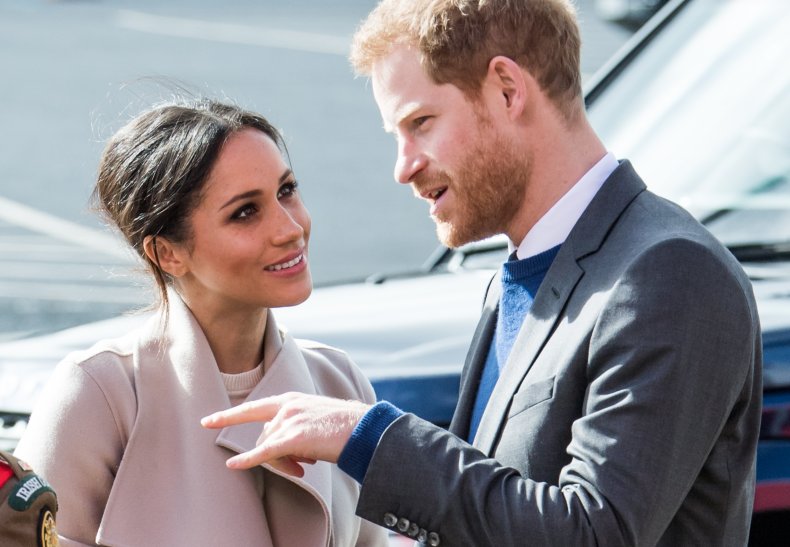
[(586, 237), (287, 372), (177, 382)]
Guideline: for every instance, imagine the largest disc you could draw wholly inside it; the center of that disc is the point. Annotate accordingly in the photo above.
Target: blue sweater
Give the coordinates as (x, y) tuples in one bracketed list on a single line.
[(520, 282)]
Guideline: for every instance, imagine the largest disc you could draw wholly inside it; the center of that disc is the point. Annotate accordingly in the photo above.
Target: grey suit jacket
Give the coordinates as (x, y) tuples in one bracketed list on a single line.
[(627, 413)]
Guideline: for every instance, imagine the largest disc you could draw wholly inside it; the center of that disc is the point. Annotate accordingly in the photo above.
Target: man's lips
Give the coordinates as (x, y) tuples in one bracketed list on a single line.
[(433, 194), (288, 262)]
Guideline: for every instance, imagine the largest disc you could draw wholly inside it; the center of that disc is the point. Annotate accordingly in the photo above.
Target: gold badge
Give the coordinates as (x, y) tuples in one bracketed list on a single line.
[(48, 536)]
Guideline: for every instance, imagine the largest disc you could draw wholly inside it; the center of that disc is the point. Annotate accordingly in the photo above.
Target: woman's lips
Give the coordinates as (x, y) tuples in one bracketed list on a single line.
[(287, 264)]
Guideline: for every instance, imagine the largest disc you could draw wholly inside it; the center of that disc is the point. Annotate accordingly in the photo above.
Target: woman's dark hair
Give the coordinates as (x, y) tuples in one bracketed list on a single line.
[(153, 170)]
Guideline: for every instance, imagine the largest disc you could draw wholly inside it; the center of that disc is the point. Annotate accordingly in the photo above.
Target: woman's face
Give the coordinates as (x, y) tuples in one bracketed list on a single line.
[(249, 231)]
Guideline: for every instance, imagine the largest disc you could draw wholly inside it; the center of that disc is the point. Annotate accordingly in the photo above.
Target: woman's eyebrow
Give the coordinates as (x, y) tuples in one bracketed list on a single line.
[(243, 195), (287, 173), (254, 193)]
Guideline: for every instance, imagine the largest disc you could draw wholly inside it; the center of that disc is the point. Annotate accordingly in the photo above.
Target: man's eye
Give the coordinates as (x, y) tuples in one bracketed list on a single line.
[(244, 212), (287, 189), (418, 122)]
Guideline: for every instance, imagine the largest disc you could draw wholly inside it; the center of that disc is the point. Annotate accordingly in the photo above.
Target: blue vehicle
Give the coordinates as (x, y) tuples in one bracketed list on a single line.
[(699, 101)]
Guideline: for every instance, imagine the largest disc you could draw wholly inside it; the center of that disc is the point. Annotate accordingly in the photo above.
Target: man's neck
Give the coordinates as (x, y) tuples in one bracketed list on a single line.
[(554, 227), (559, 161)]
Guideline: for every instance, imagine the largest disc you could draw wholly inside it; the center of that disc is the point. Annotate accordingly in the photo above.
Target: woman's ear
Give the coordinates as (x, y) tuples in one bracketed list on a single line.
[(510, 83), (169, 257)]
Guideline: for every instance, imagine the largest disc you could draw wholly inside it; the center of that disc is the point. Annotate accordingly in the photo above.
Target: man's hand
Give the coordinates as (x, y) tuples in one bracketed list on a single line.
[(297, 428)]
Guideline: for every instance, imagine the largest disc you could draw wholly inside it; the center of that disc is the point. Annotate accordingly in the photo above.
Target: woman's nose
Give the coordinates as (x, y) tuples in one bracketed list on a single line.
[(289, 227)]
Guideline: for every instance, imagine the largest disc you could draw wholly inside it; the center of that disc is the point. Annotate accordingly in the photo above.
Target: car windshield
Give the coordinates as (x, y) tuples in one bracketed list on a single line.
[(704, 115)]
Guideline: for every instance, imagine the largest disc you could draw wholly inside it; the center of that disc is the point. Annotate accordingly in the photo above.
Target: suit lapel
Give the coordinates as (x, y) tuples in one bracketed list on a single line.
[(476, 358), (587, 236), (562, 277)]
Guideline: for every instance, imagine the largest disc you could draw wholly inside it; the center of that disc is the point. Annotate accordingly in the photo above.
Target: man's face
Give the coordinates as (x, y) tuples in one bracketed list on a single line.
[(450, 151)]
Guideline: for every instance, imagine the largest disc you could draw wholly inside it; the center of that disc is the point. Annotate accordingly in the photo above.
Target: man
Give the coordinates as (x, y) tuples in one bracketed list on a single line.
[(611, 395)]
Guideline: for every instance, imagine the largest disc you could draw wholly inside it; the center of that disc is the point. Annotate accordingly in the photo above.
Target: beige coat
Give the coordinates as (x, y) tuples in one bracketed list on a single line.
[(117, 433)]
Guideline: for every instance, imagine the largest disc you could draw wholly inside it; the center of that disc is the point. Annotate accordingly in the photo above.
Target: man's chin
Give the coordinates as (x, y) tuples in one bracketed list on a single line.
[(453, 238)]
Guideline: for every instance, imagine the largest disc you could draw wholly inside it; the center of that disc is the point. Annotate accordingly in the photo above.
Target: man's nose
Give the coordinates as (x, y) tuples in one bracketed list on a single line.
[(410, 161)]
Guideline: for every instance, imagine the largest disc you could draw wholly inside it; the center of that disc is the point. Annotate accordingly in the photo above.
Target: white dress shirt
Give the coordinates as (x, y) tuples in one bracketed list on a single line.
[(553, 227)]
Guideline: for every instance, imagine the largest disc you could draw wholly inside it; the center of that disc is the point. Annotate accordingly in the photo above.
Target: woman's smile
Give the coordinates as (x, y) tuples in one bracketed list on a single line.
[(290, 265)]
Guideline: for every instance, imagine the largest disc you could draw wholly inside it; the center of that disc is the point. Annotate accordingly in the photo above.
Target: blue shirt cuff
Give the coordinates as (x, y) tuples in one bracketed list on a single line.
[(356, 455)]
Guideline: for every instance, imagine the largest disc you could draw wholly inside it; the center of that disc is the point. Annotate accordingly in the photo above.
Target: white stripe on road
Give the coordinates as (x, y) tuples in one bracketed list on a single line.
[(79, 272), (60, 229), (74, 292), (233, 33)]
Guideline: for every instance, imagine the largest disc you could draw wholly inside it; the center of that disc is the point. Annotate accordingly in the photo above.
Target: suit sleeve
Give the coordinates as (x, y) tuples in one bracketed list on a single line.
[(73, 441), (670, 359), (370, 534)]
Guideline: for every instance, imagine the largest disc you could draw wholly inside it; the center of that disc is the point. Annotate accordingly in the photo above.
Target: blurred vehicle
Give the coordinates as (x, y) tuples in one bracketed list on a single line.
[(629, 13), (700, 104)]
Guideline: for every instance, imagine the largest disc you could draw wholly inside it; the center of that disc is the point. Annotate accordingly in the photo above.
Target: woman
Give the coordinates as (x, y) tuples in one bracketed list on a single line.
[(203, 195)]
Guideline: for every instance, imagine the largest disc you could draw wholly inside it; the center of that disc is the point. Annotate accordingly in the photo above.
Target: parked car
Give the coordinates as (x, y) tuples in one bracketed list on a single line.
[(700, 103), (629, 13)]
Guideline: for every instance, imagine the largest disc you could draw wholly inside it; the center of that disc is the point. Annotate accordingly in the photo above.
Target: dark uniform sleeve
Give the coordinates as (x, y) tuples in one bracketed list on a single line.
[(28, 506)]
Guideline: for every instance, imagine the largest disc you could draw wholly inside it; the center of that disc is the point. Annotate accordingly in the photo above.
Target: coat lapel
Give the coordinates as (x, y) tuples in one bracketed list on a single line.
[(587, 236), (172, 468), (287, 372)]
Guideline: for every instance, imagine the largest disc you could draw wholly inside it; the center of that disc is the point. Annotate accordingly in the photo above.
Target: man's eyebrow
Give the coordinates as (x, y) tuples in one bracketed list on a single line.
[(402, 113), (254, 193)]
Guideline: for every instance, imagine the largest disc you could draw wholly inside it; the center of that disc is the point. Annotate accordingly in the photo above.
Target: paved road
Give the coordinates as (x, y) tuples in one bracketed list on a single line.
[(74, 71)]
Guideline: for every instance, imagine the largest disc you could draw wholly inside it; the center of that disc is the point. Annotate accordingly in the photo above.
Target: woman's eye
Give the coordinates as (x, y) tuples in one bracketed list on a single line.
[(244, 212), (287, 189)]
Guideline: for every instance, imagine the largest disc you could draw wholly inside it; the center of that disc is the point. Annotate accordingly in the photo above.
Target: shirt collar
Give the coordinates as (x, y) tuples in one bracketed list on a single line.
[(553, 227)]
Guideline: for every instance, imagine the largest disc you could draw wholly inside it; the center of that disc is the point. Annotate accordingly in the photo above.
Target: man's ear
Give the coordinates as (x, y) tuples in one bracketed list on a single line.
[(511, 83), (169, 257)]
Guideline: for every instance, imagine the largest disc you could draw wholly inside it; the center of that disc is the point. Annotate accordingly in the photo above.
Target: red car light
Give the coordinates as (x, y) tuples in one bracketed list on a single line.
[(772, 496)]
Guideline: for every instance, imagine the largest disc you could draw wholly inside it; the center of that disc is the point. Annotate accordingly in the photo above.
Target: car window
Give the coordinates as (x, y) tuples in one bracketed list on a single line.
[(489, 259), (704, 115), (487, 254)]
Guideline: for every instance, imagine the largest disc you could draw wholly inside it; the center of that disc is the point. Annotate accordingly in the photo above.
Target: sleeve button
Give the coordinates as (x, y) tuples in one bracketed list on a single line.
[(422, 535), (403, 524), (390, 520), (413, 530), (433, 539)]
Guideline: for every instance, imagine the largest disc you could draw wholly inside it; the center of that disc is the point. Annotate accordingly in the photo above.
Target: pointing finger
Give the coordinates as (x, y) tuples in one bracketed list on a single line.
[(261, 410), (263, 453)]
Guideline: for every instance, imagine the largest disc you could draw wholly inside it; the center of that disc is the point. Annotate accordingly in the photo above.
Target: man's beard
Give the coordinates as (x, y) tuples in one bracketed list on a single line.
[(489, 189)]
